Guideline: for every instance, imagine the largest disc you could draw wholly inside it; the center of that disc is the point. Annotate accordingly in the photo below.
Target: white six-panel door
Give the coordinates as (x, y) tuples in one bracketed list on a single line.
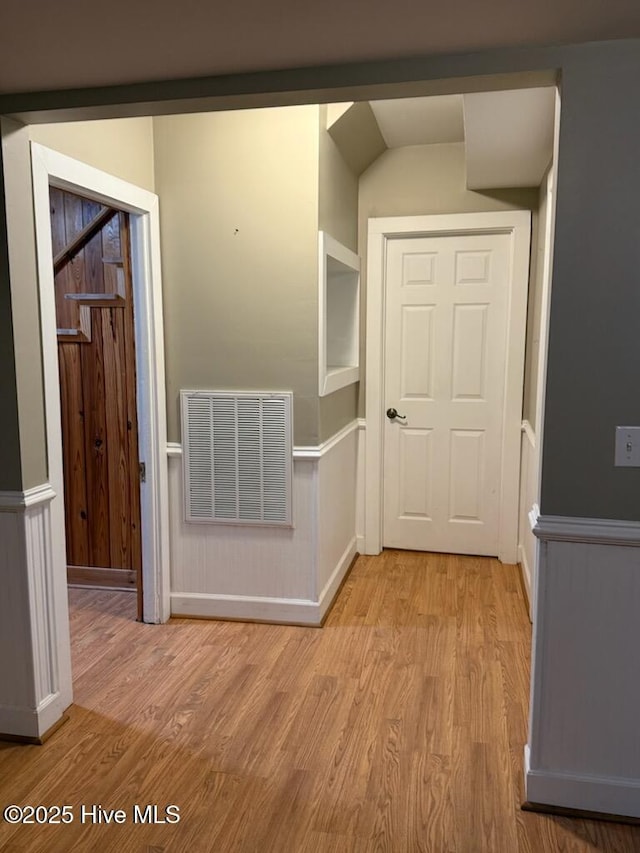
[(446, 320)]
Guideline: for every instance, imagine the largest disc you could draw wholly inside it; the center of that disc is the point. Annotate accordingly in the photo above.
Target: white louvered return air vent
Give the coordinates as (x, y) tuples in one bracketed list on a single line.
[(237, 449)]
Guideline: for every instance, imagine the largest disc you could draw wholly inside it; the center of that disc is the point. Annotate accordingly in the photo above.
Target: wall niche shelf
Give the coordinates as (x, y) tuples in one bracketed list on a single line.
[(338, 325)]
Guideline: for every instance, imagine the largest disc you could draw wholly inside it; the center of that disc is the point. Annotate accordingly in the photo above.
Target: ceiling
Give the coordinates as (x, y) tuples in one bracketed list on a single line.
[(69, 43)]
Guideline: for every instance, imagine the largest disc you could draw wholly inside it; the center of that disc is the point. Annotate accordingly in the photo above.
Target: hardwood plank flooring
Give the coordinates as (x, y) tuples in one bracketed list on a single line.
[(399, 726)]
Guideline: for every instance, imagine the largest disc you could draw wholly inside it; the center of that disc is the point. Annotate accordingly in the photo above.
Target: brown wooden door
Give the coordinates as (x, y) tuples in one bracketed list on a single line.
[(96, 351)]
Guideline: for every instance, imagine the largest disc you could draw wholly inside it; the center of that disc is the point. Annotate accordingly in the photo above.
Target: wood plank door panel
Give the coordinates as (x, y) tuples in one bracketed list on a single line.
[(446, 328), (96, 349)]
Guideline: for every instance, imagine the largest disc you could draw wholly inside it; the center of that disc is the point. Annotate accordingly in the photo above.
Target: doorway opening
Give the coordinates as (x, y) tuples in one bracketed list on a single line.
[(105, 391), (446, 323), (96, 356), (157, 445)]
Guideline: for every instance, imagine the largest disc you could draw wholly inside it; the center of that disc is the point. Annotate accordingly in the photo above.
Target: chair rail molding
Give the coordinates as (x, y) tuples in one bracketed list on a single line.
[(18, 501), (300, 451), (557, 528)]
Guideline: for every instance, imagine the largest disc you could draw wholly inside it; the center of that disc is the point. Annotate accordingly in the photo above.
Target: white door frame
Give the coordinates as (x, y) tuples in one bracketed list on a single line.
[(517, 224), (50, 168)]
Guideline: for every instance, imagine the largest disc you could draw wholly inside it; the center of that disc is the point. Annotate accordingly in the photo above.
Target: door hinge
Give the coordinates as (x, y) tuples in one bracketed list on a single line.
[(143, 472)]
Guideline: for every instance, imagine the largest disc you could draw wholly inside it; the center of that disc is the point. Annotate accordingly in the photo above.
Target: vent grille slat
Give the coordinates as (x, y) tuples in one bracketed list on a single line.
[(237, 457)]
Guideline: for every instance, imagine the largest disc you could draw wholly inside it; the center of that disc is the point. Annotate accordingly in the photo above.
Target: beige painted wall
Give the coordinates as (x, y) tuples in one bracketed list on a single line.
[(425, 179), (337, 190), (265, 169), (338, 216), (534, 319), (419, 180), (356, 133), (121, 147), (10, 466), (239, 218)]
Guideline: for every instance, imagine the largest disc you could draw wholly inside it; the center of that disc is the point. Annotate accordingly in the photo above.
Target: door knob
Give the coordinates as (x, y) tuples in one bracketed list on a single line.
[(392, 414)]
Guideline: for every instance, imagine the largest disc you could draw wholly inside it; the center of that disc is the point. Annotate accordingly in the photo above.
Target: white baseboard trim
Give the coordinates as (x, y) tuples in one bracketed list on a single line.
[(526, 577), (360, 544), (19, 722), (608, 795), (557, 528), (297, 611), (18, 501), (329, 592), (32, 722)]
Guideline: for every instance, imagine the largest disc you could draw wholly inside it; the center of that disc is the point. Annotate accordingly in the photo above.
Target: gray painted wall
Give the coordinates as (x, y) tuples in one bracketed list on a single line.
[(594, 334)]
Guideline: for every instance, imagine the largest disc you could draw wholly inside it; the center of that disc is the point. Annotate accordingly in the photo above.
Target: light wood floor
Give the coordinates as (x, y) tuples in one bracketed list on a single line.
[(399, 726)]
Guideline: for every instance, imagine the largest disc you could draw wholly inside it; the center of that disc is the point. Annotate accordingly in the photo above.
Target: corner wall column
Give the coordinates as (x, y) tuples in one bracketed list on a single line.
[(35, 673), (583, 751)]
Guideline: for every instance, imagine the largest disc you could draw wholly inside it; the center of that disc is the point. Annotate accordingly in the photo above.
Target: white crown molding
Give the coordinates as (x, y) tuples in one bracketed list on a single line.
[(558, 528), (19, 501)]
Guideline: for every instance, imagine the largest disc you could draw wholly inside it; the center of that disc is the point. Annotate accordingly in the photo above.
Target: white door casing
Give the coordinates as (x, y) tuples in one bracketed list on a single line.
[(49, 168), (463, 418)]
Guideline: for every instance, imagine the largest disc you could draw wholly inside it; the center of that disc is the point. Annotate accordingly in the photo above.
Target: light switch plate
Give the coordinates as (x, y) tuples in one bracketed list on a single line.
[(628, 446)]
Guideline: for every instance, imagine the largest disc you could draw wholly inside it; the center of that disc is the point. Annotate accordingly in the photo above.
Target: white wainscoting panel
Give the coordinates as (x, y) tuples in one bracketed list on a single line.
[(584, 750), (265, 573), (337, 484), (527, 543), (249, 559), (31, 698), (41, 587)]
